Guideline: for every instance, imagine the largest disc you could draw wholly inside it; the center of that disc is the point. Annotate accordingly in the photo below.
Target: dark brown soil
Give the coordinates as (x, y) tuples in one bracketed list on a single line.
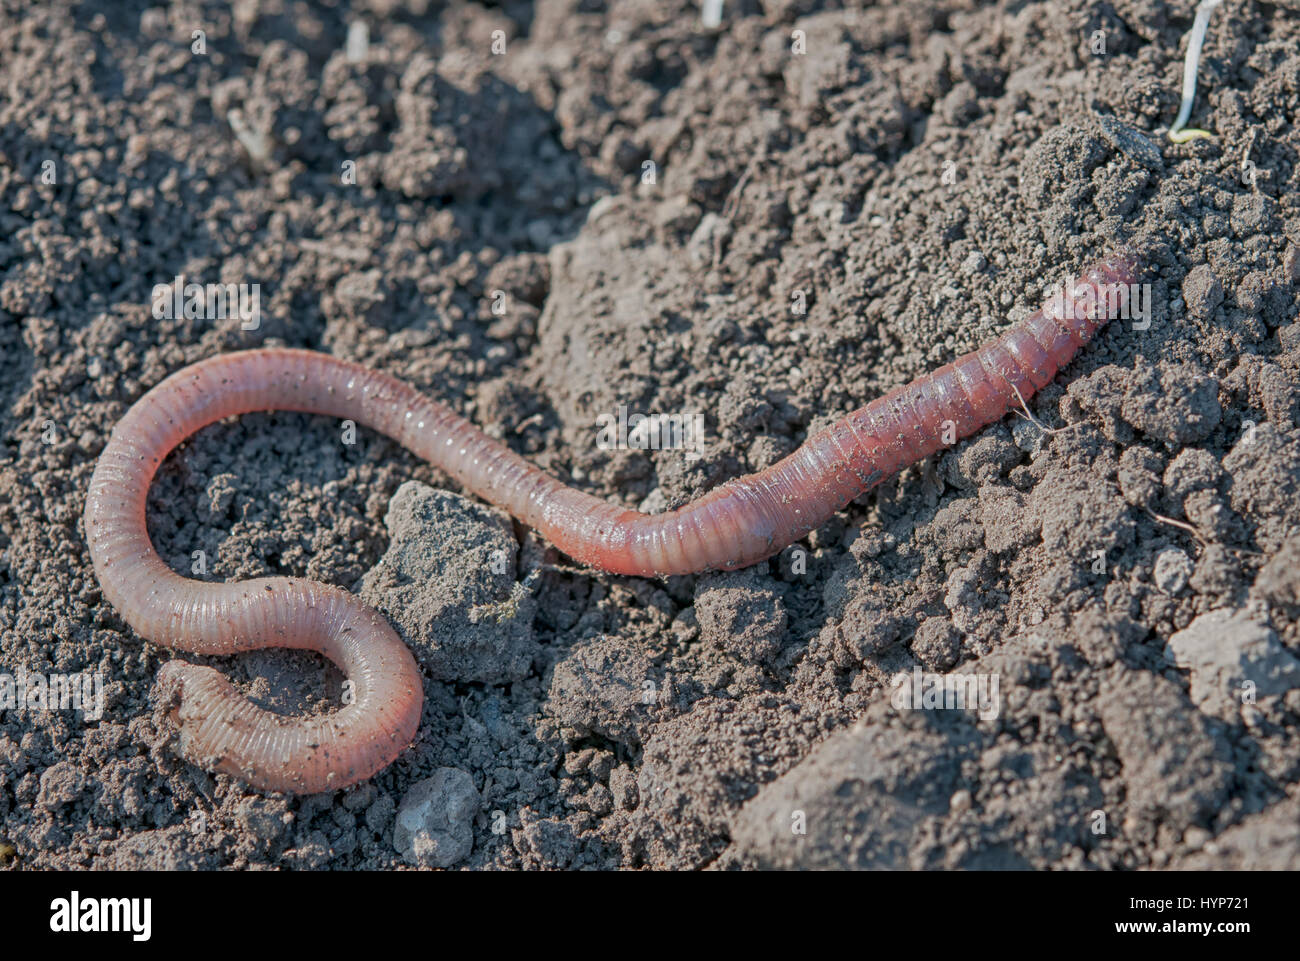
[(920, 174)]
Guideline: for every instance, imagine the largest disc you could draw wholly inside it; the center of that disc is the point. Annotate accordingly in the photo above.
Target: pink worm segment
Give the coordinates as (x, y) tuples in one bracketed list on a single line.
[(737, 524)]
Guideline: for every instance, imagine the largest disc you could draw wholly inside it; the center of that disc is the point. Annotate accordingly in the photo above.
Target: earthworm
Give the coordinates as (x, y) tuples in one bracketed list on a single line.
[(739, 523)]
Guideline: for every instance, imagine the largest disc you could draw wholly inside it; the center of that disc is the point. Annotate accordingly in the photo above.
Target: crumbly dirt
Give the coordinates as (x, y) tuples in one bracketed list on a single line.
[(650, 200)]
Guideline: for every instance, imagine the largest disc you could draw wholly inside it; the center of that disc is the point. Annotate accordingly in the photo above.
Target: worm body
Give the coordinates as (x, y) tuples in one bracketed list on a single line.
[(737, 524)]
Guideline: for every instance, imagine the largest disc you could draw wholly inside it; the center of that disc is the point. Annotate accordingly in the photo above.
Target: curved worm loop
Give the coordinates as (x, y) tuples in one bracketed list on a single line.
[(741, 522)]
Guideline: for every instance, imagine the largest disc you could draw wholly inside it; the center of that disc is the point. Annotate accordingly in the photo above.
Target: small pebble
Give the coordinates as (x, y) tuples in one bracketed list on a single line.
[(1202, 291), (1173, 569), (435, 821)]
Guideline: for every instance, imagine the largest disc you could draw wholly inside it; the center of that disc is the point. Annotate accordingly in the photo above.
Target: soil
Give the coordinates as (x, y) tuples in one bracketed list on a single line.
[(648, 202)]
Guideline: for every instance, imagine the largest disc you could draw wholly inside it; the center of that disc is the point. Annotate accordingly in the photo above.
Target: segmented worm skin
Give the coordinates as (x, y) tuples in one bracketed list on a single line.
[(739, 523)]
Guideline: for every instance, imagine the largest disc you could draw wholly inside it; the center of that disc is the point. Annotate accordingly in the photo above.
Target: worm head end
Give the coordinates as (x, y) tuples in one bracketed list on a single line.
[(1122, 266)]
